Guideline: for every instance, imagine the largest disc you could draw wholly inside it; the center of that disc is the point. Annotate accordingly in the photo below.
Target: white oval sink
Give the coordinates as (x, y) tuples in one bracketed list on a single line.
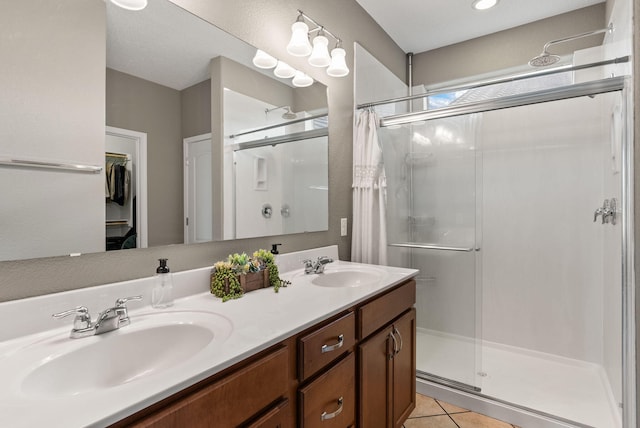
[(347, 277), (151, 344)]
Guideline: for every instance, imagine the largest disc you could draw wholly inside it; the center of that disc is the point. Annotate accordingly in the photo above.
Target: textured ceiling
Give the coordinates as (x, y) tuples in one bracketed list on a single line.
[(167, 45), (421, 25)]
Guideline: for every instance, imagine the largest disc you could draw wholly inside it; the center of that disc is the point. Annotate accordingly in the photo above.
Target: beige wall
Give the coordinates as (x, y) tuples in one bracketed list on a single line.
[(140, 105), (267, 26), (49, 111), (509, 48), (196, 109)]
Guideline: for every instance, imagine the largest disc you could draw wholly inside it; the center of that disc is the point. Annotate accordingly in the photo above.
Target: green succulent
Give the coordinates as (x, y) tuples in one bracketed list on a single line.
[(224, 272), (240, 264)]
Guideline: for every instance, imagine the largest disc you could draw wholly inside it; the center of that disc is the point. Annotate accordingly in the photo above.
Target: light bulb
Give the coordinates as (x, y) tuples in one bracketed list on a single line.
[(264, 60), (338, 66), (284, 70), (484, 4), (320, 54), (301, 80), (299, 44), (130, 4)]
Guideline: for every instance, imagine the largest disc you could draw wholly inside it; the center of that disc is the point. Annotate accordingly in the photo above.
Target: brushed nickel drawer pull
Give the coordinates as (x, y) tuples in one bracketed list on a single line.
[(395, 345), (326, 415), (329, 348), (395, 330)]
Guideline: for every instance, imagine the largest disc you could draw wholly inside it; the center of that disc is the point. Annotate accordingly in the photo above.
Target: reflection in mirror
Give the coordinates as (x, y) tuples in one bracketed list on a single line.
[(158, 88), (278, 173)]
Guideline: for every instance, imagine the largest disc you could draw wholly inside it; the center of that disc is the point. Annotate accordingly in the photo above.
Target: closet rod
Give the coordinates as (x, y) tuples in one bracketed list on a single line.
[(528, 75), (27, 163)]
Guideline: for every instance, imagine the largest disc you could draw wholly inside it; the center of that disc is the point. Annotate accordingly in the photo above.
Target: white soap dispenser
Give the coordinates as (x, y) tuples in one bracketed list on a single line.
[(162, 294)]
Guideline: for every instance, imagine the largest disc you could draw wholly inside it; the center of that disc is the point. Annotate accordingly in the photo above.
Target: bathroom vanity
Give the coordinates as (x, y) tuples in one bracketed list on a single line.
[(335, 349)]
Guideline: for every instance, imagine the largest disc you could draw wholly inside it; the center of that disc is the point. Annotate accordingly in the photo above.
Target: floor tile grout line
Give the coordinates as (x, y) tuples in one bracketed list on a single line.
[(450, 413), (454, 422)]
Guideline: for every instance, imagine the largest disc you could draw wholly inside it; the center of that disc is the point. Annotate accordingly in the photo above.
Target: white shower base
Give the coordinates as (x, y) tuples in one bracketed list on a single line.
[(569, 389)]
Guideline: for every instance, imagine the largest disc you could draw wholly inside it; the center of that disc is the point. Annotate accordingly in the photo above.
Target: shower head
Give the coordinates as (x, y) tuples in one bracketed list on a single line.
[(288, 114), (545, 58)]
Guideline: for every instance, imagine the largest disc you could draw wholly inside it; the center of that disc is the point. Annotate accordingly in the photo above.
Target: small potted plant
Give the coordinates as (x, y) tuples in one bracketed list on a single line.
[(266, 259), (240, 274)]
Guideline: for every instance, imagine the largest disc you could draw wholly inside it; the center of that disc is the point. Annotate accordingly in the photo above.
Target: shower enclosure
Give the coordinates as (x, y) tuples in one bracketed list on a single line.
[(516, 211)]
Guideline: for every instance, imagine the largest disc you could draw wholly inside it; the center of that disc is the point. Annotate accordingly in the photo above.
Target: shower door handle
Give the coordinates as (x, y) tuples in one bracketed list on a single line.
[(607, 212), (598, 212)]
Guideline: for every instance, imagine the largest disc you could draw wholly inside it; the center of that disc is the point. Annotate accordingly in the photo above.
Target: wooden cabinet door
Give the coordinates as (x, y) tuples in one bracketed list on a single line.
[(388, 375), (404, 368), (375, 378)]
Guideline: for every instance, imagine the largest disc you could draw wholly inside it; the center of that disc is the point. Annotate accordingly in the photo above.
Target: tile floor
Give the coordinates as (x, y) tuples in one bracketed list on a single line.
[(432, 413)]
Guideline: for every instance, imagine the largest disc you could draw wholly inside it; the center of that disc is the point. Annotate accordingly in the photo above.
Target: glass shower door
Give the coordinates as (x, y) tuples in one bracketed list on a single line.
[(432, 195)]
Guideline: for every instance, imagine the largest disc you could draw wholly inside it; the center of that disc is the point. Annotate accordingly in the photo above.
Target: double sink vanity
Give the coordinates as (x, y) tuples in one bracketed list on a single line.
[(333, 349)]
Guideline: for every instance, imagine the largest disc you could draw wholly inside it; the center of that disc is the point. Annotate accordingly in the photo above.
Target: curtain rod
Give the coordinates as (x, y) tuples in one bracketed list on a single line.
[(480, 84)]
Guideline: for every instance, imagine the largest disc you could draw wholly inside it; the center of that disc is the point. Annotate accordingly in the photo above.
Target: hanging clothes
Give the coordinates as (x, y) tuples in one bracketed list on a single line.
[(117, 181), (369, 231)]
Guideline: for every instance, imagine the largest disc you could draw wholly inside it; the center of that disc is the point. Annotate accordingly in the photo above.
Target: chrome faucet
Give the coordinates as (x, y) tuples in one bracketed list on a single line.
[(317, 266), (108, 320)]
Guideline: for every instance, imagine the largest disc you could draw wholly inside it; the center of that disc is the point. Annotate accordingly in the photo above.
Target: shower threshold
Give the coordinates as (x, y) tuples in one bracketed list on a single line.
[(573, 392)]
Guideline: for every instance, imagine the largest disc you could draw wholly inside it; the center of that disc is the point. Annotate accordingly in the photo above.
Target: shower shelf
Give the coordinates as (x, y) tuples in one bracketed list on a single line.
[(433, 247)]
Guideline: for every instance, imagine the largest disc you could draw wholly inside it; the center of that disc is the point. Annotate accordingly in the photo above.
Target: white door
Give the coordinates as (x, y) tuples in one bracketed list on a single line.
[(198, 205)]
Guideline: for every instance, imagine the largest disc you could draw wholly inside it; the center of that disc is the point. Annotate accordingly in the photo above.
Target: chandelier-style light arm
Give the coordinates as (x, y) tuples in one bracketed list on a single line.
[(317, 27)]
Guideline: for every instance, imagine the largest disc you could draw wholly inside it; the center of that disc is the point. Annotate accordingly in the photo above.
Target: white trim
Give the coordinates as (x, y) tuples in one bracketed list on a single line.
[(140, 139)]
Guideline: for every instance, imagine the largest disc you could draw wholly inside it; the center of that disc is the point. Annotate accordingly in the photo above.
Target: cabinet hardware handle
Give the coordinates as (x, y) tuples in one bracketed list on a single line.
[(326, 415), (395, 330), (395, 345), (329, 348)]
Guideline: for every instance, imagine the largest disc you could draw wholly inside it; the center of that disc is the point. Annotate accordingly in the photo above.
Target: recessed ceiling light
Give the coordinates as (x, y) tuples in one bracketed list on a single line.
[(130, 4), (484, 4)]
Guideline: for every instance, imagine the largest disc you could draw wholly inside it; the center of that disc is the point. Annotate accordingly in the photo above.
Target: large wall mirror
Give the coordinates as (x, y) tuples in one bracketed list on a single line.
[(164, 123)]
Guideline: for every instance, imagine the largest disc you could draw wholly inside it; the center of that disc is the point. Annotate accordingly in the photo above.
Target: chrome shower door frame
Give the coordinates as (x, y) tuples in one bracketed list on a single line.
[(623, 84)]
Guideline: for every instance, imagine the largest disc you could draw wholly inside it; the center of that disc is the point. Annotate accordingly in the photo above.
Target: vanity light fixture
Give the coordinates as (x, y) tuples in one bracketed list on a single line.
[(299, 44), (264, 60), (284, 70), (319, 54), (338, 66), (130, 4), (484, 4), (301, 80)]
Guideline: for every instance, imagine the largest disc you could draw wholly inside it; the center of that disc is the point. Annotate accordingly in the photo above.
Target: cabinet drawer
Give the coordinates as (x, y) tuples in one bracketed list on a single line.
[(230, 401), (279, 416), (382, 310), (319, 348), (329, 401)]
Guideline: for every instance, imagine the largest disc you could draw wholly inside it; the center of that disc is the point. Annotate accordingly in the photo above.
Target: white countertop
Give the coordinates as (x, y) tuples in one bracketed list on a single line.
[(258, 320)]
